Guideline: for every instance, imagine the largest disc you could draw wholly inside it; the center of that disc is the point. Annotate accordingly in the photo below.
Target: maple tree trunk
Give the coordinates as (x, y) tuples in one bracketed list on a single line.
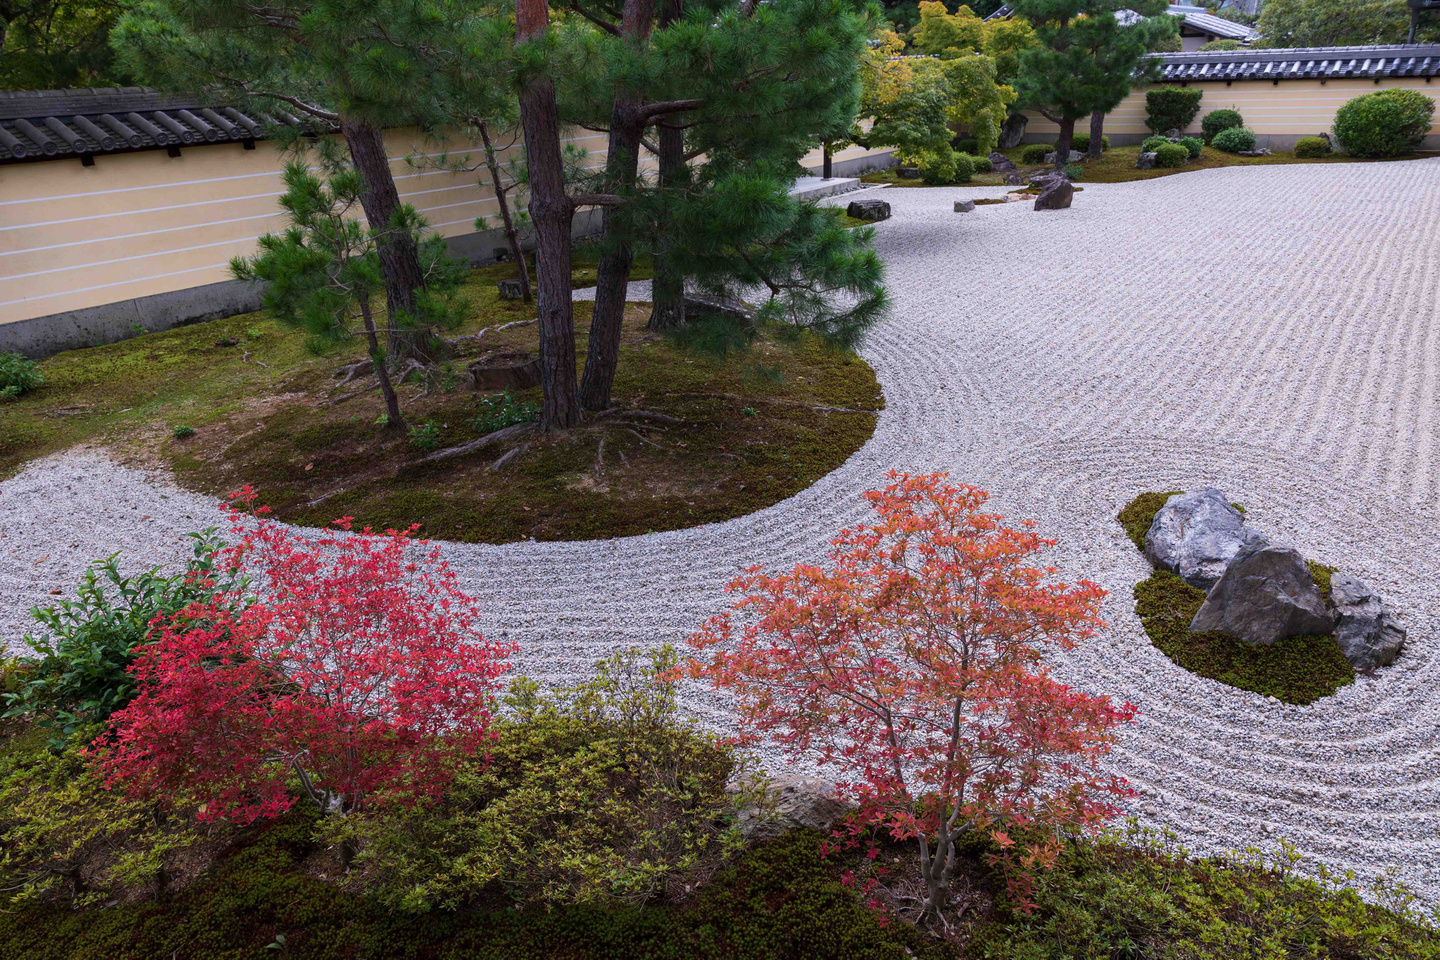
[(622, 165), (382, 371), (399, 259), (1062, 145), (667, 289), (1097, 134), (551, 213), (512, 236)]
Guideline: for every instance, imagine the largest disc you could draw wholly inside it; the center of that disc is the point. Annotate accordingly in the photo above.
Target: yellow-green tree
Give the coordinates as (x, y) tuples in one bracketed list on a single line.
[(978, 97)]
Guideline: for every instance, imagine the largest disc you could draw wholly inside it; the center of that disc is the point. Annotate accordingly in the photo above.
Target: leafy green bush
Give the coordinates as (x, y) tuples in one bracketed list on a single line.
[(1193, 144), (182, 432), (1386, 123), (1308, 148), (598, 793), (1035, 152), (1154, 143), (77, 676), (982, 164), (1074, 171), (1171, 108), (18, 374), (1081, 142), (1171, 155), (937, 167), (1234, 140), (1296, 670), (1137, 515), (966, 145), (425, 436), (500, 410), (964, 168), (1217, 120)]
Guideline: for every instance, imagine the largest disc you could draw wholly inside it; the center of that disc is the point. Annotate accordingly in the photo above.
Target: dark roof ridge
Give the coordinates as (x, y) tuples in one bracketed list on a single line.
[(1303, 53)]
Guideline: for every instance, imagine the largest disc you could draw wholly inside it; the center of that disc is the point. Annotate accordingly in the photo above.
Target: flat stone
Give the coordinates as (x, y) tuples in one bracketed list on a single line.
[(511, 290), (999, 163), (964, 206), (1015, 179), (908, 173), (793, 803), (868, 210), (1196, 535), (1266, 594), (1075, 157), (1056, 195), (1364, 627), (1145, 162), (505, 371)]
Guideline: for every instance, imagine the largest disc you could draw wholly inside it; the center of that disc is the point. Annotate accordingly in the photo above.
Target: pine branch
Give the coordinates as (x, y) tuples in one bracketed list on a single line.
[(605, 25), (597, 200)]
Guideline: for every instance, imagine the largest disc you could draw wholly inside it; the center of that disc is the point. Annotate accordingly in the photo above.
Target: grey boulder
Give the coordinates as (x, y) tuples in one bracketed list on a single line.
[(1146, 162), (793, 803), (868, 210), (964, 206), (511, 290), (1075, 156), (908, 173), (1266, 594), (999, 163), (1055, 195), (1364, 627), (1013, 131), (1196, 535)]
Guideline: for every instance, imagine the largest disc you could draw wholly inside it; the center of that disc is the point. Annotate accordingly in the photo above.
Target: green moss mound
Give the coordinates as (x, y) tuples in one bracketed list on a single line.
[(1296, 670), (781, 901), (1138, 514)]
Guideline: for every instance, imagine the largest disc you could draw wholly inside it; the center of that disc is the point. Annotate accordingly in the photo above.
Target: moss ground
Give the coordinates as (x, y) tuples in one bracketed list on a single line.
[(1296, 670), (754, 427), (1117, 165)]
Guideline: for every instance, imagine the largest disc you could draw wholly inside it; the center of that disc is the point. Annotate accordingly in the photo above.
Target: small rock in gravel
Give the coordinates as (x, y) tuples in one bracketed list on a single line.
[(1195, 536), (1266, 594), (1056, 194), (1365, 629), (868, 210), (964, 206)]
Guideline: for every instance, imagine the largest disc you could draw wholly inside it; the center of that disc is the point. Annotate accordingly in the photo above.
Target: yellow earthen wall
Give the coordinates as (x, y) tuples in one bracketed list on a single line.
[(144, 223)]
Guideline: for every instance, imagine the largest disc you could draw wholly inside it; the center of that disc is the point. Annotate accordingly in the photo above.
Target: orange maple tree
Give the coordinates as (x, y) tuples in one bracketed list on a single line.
[(914, 663)]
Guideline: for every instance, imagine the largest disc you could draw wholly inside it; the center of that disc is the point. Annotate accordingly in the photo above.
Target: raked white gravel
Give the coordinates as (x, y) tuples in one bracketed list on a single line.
[(1273, 331)]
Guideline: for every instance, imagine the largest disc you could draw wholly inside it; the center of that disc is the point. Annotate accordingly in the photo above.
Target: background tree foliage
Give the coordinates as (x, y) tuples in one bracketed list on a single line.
[(58, 44), (1339, 23)]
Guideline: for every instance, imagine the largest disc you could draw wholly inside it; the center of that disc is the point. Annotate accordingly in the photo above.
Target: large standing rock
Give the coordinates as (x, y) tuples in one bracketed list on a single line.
[(999, 163), (1196, 535), (1365, 629), (868, 210), (1146, 162), (1266, 594), (793, 803), (1056, 195), (1013, 131)]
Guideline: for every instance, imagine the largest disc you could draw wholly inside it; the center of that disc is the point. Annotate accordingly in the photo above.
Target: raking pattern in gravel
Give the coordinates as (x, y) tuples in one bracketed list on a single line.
[(1272, 331)]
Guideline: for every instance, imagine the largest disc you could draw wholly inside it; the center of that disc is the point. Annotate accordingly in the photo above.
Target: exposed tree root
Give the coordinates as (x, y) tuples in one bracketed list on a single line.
[(476, 337), (245, 358), (509, 455), (499, 436)]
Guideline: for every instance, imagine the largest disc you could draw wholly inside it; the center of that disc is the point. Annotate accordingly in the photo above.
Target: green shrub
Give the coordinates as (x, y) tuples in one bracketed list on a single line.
[(1386, 123), (966, 145), (1193, 144), (18, 375), (1234, 140), (1171, 155), (1170, 108), (1217, 120), (1217, 45), (1035, 152), (77, 676), (1075, 171), (964, 168), (982, 164), (937, 167), (500, 410), (1296, 670), (599, 793), (1137, 515), (1308, 148), (425, 436), (1081, 142), (182, 432), (1154, 143)]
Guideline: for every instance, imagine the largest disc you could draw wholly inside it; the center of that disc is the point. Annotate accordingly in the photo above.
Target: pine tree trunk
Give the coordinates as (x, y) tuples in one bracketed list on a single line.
[(622, 166), (382, 369), (1097, 135), (502, 197), (1062, 145), (551, 213), (667, 289), (399, 259)]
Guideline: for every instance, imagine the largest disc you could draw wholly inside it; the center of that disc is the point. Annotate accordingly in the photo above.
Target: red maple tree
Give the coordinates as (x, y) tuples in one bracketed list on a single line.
[(357, 668), (914, 662)]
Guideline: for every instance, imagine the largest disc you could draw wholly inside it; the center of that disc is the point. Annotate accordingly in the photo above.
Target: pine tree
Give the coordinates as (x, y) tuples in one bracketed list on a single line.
[(323, 273), (1086, 58)]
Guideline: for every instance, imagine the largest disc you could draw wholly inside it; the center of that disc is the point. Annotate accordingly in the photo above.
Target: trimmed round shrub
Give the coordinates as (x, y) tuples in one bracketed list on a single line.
[(1193, 144), (964, 168), (1308, 148), (1171, 155), (1217, 120), (966, 145), (1385, 123), (1234, 140), (1035, 152), (1081, 142), (1171, 108), (982, 164), (937, 167), (1154, 143)]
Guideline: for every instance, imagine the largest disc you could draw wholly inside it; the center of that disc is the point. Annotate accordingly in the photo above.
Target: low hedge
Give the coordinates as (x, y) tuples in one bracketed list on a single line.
[(1154, 143), (1171, 108), (1308, 148), (1234, 140), (1081, 142), (1035, 152), (1193, 144), (1171, 155), (1217, 120)]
